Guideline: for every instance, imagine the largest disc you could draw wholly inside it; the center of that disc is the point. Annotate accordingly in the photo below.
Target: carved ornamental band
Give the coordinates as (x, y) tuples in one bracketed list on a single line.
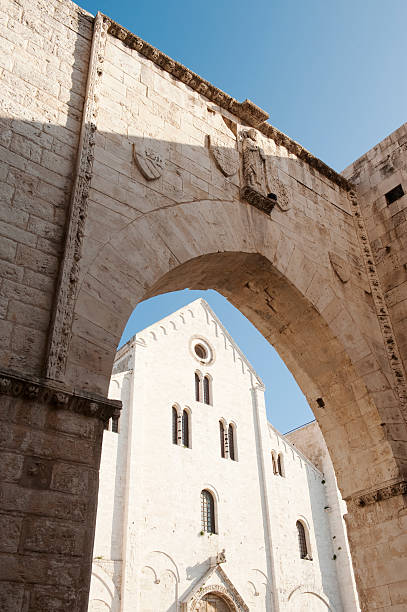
[(372, 497), (57, 397)]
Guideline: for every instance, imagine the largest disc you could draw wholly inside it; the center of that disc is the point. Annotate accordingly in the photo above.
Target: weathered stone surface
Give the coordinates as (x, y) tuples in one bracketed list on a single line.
[(188, 227)]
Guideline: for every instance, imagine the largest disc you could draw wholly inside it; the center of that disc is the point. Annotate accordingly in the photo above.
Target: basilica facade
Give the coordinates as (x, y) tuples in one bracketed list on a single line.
[(203, 505)]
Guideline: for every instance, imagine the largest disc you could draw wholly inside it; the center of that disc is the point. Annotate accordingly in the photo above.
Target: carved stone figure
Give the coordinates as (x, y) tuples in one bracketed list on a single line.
[(254, 168)]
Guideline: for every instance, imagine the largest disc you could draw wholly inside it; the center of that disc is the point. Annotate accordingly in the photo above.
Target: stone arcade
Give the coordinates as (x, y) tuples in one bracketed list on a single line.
[(194, 420), (316, 260)]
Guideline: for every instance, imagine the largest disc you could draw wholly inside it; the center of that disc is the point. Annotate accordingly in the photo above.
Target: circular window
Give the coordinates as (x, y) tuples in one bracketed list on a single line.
[(200, 351)]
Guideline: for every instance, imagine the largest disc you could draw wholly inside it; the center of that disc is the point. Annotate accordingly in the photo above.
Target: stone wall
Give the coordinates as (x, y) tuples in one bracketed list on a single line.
[(309, 440), (44, 54), (375, 174)]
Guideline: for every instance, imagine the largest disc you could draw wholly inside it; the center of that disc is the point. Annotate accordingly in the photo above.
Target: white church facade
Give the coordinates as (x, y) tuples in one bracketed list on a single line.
[(203, 505)]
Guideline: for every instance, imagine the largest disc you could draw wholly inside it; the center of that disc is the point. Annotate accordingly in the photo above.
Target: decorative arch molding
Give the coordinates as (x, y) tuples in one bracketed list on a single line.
[(102, 588), (215, 589), (311, 590), (215, 581), (174, 570)]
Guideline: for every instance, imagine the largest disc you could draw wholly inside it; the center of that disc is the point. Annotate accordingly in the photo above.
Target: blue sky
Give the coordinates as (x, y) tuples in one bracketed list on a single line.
[(330, 74)]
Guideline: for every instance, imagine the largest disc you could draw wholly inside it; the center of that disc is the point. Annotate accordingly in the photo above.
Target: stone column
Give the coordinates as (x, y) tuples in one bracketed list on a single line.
[(49, 463), (377, 532)]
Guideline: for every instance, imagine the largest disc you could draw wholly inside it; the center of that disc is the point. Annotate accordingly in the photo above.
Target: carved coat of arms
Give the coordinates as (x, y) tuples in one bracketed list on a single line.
[(274, 185), (149, 162), (340, 266), (226, 157)]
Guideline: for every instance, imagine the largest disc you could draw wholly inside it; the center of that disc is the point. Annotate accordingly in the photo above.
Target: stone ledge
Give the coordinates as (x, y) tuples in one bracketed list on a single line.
[(57, 396), (247, 111)]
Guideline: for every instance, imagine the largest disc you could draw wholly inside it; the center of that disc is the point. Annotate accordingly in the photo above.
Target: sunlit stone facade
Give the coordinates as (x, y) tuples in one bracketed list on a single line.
[(154, 550)]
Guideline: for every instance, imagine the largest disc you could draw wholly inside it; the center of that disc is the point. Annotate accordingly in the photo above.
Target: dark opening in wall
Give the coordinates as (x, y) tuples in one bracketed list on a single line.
[(394, 194)]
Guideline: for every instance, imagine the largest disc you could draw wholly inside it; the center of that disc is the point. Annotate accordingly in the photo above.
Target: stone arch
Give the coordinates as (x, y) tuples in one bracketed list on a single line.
[(103, 595), (218, 591), (326, 330), (315, 594)]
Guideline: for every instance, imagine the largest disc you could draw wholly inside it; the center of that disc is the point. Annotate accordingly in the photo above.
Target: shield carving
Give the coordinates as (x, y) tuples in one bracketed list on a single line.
[(226, 158), (274, 185), (340, 266), (149, 162)]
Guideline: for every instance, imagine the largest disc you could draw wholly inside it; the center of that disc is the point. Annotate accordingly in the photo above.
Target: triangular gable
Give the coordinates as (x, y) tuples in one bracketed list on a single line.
[(214, 581)]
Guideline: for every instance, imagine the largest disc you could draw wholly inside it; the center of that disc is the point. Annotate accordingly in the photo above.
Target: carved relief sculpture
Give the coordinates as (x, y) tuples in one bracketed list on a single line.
[(226, 157), (254, 173), (149, 162)]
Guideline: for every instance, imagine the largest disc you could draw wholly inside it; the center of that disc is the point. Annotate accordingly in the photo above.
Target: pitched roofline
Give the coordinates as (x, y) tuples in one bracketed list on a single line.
[(206, 307), (204, 304), (294, 448)]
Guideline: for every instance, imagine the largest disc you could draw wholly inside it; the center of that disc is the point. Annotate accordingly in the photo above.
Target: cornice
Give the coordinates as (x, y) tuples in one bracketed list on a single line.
[(248, 112), (57, 396), (368, 497)]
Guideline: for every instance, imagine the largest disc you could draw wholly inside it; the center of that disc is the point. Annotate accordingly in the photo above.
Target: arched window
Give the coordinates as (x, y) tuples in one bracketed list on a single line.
[(197, 387), (174, 425), (115, 424), (273, 459), (302, 541), (231, 436), (280, 467), (222, 439), (185, 428), (207, 512), (206, 388)]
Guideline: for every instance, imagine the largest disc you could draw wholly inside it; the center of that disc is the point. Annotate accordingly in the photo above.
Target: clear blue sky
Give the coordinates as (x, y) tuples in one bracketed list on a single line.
[(331, 75)]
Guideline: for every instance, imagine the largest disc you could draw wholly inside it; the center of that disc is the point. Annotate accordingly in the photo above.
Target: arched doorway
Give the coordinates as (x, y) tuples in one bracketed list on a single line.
[(212, 602)]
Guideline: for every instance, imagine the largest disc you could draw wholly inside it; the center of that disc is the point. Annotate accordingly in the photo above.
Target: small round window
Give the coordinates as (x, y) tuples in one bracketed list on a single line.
[(200, 351)]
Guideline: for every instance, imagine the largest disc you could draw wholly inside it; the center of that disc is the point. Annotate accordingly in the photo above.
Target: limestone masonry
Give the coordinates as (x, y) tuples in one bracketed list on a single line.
[(151, 552), (124, 175)]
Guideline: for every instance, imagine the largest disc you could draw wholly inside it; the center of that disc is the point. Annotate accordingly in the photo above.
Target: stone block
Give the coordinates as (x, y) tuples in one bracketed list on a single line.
[(11, 597), (44, 535), (10, 527)]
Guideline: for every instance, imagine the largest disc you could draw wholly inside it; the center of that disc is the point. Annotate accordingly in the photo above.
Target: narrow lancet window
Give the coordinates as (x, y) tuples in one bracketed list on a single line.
[(197, 387), (302, 541), (280, 465), (207, 512), (231, 436), (222, 439), (207, 393), (174, 425), (185, 428)]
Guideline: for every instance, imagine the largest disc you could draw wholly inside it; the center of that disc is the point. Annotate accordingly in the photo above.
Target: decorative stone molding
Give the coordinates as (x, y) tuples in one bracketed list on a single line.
[(372, 497), (247, 111), (69, 272), (257, 200), (56, 396), (311, 589), (222, 586), (389, 339)]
